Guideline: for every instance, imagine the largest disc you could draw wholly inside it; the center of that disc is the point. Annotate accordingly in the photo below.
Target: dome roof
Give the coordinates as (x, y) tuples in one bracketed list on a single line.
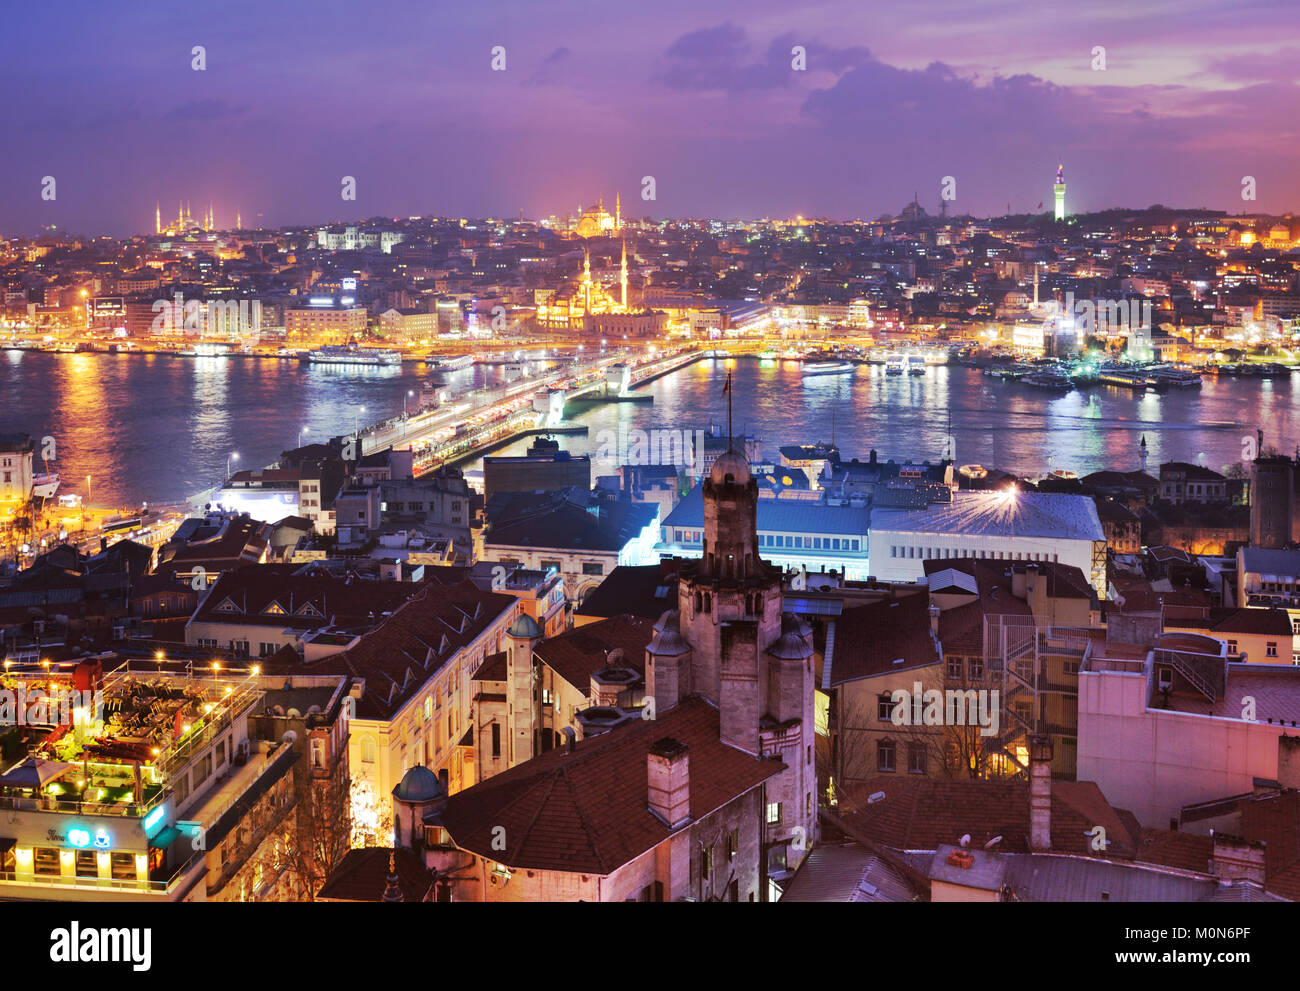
[(730, 464), (419, 784), (794, 623), (669, 643), (669, 620), (525, 627), (790, 647)]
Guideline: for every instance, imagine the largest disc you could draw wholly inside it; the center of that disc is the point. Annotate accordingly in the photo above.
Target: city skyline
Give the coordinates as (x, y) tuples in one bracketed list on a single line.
[(1184, 109)]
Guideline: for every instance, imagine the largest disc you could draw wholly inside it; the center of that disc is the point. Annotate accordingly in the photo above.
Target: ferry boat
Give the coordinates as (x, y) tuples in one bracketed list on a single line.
[(1129, 378), (915, 364), (1178, 378), (895, 364), (828, 367), (351, 354), (456, 364)]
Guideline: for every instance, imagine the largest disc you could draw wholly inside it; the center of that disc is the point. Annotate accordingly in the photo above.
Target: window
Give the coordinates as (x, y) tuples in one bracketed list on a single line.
[(546, 565), (916, 758), (428, 708), (1232, 646), (885, 707), (976, 665), (592, 568), (318, 753), (954, 667), (266, 649), (1270, 649), (733, 844), (123, 866), (496, 739), (548, 697), (773, 813), (885, 755), (47, 860), (706, 863), (87, 863), (368, 750)]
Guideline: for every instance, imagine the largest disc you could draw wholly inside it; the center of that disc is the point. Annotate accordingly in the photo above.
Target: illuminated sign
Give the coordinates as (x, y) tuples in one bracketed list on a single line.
[(153, 818), (79, 838), (101, 840)]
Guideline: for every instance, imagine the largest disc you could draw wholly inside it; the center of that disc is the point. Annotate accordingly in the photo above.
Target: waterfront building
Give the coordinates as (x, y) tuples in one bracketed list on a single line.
[(1269, 578), (792, 533), (324, 319), (17, 455), (406, 326), (1007, 525), (1182, 482)]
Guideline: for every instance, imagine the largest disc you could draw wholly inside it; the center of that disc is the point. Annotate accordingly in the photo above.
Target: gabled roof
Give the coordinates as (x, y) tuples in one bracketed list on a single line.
[(587, 811), (362, 876), (578, 653), (887, 635), (637, 590)]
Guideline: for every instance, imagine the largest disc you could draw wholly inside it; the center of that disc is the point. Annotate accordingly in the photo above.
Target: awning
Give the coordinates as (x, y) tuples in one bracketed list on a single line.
[(165, 838)]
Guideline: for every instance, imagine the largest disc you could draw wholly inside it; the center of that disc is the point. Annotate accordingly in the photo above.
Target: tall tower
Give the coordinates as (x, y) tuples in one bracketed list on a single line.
[(622, 277), (586, 281), (239, 220), (1059, 190), (618, 212), (157, 218), (728, 641)]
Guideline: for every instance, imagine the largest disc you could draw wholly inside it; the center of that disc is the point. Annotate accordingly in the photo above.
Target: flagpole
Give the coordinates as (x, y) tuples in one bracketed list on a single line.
[(730, 442)]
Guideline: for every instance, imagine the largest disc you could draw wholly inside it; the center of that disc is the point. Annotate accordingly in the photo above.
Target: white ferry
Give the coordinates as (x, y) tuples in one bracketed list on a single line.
[(350, 354), (895, 364), (915, 364)]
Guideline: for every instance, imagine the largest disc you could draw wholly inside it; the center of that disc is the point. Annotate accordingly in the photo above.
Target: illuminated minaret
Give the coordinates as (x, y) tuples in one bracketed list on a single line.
[(1059, 189), (239, 220), (586, 280), (157, 218), (622, 275), (618, 213)]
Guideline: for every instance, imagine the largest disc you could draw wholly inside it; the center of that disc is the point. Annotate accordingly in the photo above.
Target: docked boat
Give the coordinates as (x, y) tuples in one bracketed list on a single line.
[(455, 364), (828, 367), (1048, 378), (895, 364), (351, 354), (915, 364), (45, 486), (1129, 378)]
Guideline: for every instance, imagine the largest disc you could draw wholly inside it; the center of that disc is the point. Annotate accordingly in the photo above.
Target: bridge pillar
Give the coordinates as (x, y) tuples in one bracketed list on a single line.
[(551, 405)]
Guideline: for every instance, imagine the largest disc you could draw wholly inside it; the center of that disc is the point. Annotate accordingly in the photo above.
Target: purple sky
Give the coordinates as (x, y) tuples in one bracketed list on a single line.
[(701, 96)]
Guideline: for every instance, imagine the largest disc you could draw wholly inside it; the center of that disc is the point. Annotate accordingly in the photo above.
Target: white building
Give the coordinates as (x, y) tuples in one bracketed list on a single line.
[(1005, 525)]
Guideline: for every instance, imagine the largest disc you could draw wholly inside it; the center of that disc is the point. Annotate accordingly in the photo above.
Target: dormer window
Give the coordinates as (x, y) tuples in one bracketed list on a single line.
[(274, 609), (309, 610), (227, 606)]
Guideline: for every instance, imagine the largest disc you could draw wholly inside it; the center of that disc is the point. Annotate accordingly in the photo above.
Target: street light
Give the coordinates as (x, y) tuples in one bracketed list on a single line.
[(356, 416), (88, 497), (233, 456)]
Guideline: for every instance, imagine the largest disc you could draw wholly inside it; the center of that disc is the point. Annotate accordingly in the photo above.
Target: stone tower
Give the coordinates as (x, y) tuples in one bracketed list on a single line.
[(727, 641)]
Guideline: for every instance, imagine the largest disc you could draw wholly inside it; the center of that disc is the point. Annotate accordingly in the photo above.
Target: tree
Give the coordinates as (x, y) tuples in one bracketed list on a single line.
[(324, 825)]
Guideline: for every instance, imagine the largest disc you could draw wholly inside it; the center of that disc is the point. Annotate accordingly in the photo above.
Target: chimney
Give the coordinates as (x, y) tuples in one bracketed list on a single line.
[(1288, 761), (1040, 793), (1235, 859), (668, 767)]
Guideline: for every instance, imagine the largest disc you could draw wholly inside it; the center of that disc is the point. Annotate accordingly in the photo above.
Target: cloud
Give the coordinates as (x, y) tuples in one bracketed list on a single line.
[(718, 59), (551, 69), (1278, 66)]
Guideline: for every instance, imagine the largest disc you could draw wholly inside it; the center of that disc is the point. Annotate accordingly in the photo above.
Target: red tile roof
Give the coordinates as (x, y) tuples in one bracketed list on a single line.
[(587, 811), (578, 653), (399, 657), (362, 876), (870, 638), (922, 813)]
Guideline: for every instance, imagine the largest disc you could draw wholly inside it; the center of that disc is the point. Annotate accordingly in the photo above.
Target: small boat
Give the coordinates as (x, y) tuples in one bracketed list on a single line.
[(828, 367), (895, 365), (915, 364), (1048, 379)]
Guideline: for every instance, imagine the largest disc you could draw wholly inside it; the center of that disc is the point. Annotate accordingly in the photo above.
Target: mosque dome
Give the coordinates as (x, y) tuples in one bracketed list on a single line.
[(525, 628)]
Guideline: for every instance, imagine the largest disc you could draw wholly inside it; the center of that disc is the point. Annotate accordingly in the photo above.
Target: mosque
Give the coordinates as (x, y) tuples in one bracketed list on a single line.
[(185, 222)]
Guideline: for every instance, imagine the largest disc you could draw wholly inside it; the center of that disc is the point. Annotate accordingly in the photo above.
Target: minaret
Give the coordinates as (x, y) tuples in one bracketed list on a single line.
[(180, 217), (586, 281), (189, 213), (1035, 284), (157, 218), (1142, 454), (622, 276), (239, 220), (392, 890), (618, 212), (1059, 189)]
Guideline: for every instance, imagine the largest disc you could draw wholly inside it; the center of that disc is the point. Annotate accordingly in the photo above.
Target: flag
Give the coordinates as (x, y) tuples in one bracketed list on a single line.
[(727, 385), (1040, 206)]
